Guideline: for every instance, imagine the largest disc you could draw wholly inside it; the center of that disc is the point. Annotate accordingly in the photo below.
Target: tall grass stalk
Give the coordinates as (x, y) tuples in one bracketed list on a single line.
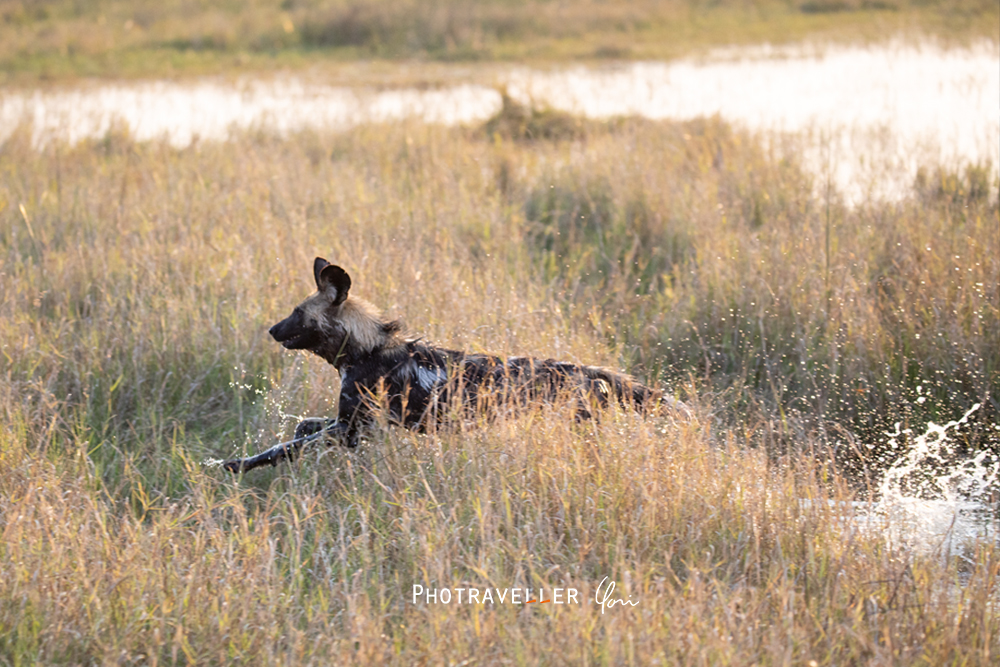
[(137, 285)]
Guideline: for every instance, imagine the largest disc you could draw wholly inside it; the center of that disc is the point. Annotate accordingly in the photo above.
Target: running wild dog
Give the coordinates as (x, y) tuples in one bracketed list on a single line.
[(378, 365)]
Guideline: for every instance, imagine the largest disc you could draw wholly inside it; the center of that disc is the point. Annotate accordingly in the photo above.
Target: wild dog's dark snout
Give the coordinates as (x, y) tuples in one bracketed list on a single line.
[(275, 331), (284, 329), (293, 332)]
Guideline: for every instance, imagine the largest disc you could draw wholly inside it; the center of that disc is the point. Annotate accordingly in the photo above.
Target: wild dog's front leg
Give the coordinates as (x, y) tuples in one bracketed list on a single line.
[(352, 412), (308, 431), (343, 430), (272, 456), (329, 431), (313, 426)]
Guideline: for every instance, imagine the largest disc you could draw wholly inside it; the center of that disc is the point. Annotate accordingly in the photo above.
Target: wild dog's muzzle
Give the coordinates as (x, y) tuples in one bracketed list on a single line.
[(294, 332)]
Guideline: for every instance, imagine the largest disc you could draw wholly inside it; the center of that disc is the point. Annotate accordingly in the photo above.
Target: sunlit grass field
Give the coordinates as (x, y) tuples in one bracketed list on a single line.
[(45, 40), (137, 283)]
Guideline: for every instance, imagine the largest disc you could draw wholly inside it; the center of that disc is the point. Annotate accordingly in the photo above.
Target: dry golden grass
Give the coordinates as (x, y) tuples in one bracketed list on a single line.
[(138, 282)]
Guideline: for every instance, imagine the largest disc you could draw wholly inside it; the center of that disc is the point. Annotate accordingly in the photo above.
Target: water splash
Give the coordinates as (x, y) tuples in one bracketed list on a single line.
[(935, 498)]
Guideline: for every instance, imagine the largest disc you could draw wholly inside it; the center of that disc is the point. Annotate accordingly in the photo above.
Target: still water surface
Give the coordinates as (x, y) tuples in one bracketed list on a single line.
[(863, 118)]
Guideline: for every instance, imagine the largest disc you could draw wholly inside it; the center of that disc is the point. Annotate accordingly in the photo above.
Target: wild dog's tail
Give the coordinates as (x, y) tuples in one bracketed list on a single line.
[(630, 392)]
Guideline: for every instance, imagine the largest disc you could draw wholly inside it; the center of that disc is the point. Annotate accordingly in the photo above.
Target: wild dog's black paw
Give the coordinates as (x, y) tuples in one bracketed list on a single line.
[(310, 427), (234, 466)]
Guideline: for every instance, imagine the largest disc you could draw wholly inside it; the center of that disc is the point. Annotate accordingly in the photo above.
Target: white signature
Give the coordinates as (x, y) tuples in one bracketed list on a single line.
[(607, 603)]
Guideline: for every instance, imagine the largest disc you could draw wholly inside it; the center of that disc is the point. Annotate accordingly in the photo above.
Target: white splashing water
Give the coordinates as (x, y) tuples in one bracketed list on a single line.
[(934, 499), (863, 119)]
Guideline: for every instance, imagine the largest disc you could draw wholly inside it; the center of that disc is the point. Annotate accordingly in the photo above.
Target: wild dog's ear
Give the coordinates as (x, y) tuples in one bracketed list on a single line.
[(330, 277), (318, 265)]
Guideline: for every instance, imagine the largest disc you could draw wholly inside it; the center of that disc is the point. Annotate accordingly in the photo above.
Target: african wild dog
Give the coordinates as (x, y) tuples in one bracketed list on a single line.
[(375, 359)]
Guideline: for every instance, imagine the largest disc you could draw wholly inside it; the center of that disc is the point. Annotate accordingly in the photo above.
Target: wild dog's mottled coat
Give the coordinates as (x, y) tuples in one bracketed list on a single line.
[(376, 362)]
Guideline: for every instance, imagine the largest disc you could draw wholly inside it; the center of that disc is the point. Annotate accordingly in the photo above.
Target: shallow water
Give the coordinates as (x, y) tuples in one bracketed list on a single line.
[(868, 117), (863, 119), (210, 110)]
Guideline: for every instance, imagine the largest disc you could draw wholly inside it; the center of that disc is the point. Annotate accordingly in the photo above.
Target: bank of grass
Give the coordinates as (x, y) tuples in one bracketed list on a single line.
[(138, 282), (64, 39)]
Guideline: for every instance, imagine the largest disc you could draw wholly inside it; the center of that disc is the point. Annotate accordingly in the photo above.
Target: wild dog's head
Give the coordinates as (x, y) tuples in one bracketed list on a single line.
[(329, 323)]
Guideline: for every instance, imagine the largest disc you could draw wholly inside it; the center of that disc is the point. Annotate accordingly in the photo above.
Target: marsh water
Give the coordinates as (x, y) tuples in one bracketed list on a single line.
[(863, 119)]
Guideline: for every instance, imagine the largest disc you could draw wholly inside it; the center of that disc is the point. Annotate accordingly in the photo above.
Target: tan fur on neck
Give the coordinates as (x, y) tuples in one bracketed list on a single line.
[(360, 319), (363, 322)]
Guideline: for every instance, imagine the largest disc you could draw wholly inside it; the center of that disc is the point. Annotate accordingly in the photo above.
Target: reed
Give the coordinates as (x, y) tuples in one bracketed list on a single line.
[(138, 282)]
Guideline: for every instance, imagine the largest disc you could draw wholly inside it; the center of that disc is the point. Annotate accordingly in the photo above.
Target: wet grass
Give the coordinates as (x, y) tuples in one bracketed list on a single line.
[(63, 39), (138, 282)]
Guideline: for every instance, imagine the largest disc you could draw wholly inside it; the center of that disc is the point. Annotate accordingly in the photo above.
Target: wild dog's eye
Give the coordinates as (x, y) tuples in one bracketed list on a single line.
[(302, 317)]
